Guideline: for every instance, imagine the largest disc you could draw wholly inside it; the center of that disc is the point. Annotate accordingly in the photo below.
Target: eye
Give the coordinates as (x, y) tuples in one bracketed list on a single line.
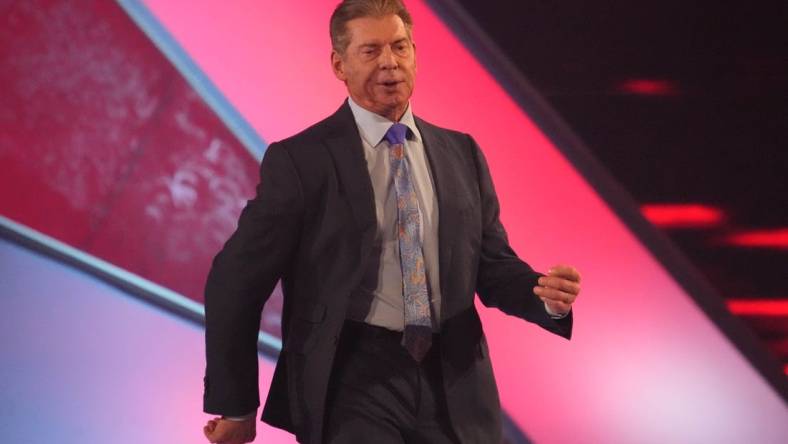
[(402, 48), (369, 51)]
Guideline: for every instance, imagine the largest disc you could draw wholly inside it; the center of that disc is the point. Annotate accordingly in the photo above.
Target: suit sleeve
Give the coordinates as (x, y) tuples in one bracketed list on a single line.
[(503, 280), (241, 279)]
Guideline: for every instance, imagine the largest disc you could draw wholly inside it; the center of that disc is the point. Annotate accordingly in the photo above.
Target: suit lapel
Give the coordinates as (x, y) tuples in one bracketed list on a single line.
[(344, 144), (444, 175)]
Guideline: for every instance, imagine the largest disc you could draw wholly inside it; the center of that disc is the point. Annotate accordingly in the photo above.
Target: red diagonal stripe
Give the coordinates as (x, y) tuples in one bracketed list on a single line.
[(682, 215), (759, 307), (776, 238)]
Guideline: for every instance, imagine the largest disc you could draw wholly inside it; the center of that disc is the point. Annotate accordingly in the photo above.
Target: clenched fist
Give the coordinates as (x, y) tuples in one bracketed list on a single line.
[(559, 288), (225, 431)]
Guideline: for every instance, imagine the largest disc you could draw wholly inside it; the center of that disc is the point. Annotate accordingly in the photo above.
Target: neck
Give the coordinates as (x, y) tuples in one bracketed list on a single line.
[(393, 114)]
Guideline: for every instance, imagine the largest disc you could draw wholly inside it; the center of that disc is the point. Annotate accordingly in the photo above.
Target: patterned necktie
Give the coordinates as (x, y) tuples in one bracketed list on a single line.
[(417, 337)]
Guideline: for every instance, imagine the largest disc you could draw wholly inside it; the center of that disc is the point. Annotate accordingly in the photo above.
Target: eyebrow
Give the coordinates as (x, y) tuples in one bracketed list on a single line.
[(376, 44)]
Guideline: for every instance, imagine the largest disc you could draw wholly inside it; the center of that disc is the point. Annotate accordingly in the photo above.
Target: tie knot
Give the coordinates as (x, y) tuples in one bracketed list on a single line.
[(396, 134)]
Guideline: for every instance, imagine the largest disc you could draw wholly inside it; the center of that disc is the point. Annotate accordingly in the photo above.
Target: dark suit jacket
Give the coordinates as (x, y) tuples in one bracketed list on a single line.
[(312, 224)]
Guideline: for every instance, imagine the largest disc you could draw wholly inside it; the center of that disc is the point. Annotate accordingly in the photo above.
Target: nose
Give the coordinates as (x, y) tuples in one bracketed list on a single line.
[(387, 59)]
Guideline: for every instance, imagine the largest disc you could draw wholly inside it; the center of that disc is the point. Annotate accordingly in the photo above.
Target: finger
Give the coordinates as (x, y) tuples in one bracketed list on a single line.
[(217, 434), (559, 284), (210, 426), (209, 434), (565, 271), (559, 307), (555, 295), (229, 432)]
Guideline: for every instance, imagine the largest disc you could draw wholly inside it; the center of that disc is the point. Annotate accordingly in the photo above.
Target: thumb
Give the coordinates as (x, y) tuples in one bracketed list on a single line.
[(211, 432)]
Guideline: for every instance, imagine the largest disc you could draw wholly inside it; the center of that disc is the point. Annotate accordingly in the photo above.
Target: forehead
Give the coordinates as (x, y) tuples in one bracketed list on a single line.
[(365, 30)]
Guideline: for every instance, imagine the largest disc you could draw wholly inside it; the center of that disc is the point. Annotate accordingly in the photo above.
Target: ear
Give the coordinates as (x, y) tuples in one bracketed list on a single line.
[(415, 66), (338, 65)]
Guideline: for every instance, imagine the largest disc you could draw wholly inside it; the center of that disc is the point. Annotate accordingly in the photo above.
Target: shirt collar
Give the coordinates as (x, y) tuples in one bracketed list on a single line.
[(373, 127)]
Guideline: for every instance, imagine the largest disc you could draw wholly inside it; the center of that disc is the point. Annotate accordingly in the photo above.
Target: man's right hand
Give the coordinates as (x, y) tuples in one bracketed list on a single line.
[(225, 431)]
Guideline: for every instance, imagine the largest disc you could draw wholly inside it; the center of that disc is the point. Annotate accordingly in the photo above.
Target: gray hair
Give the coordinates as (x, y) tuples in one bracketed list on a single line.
[(353, 9)]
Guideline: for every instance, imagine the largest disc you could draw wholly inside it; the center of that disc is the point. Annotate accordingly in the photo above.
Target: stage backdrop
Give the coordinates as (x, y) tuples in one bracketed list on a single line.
[(130, 135)]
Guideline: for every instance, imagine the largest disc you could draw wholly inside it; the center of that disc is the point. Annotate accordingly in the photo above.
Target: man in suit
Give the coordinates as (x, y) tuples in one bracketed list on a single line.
[(382, 227)]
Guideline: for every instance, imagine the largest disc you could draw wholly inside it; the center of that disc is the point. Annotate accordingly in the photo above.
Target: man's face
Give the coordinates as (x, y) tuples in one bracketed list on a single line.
[(379, 64)]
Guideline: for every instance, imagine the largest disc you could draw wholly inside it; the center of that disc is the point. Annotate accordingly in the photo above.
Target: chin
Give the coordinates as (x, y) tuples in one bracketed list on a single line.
[(395, 100)]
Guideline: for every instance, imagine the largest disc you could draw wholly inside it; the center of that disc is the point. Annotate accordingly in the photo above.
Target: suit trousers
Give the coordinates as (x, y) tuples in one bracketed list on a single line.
[(379, 393)]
